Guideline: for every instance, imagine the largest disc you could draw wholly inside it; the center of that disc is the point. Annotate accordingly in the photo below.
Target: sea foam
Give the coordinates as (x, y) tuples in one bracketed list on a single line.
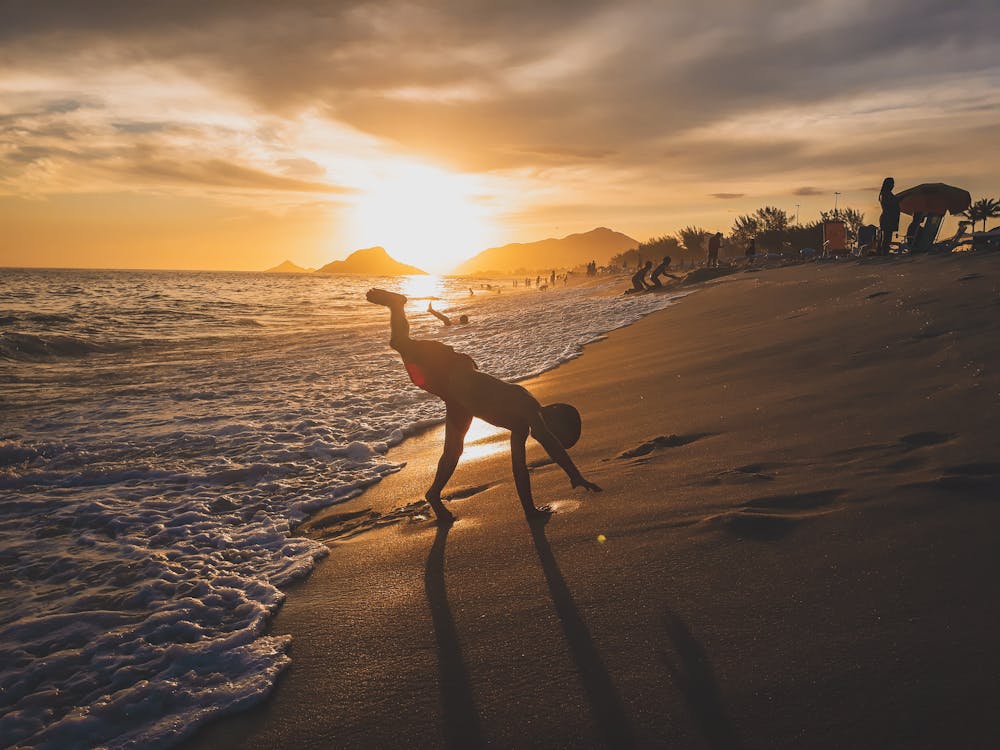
[(153, 471)]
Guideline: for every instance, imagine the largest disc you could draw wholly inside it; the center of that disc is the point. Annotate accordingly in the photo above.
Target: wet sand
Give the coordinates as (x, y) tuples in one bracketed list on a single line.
[(796, 545)]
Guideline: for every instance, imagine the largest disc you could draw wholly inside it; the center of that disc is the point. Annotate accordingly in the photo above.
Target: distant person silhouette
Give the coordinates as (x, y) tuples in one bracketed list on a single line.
[(660, 270), (469, 393), (867, 235), (463, 319), (889, 220), (751, 252), (914, 229), (713, 250), (639, 278)]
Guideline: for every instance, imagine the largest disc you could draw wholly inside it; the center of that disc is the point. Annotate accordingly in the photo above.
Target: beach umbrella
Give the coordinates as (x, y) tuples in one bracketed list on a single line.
[(933, 198)]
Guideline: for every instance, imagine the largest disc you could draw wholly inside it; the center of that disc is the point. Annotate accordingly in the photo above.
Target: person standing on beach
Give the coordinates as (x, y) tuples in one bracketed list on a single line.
[(713, 250), (468, 393), (889, 220), (751, 251)]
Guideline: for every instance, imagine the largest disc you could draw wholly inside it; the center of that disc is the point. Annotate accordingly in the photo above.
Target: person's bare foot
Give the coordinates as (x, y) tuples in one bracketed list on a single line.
[(385, 298), (539, 515), (444, 518)]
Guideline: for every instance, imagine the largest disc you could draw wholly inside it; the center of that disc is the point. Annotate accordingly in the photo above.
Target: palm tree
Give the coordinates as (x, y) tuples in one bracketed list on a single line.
[(693, 238), (981, 210)]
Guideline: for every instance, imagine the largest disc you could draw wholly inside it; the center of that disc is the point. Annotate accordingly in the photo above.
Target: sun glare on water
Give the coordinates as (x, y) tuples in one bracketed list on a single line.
[(423, 216)]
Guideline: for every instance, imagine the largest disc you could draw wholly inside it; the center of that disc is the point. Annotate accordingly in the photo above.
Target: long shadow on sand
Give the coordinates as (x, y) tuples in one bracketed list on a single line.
[(605, 704), (461, 720), (692, 674)]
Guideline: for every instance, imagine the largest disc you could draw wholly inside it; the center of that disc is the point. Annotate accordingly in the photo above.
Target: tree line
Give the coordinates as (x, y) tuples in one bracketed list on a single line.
[(774, 231)]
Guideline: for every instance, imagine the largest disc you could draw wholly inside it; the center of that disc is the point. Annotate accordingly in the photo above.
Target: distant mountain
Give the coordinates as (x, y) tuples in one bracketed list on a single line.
[(528, 257), (288, 267), (372, 261)]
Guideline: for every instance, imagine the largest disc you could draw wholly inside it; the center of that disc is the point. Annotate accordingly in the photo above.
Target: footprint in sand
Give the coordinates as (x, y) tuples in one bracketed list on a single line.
[(344, 526), (774, 516), (924, 439), (974, 481), (749, 474), (663, 441)]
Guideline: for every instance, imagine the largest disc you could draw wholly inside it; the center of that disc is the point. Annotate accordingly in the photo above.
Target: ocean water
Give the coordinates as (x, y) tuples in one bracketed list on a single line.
[(162, 434)]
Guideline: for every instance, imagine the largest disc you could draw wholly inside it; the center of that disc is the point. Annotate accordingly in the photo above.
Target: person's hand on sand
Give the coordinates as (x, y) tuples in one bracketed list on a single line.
[(589, 486), (385, 298)]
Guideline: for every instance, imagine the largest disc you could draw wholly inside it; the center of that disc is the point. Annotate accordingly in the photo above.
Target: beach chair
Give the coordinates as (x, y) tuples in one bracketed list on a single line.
[(961, 237)]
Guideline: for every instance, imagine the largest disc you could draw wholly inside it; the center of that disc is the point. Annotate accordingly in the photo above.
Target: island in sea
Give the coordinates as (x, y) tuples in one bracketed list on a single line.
[(288, 267), (518, 258)]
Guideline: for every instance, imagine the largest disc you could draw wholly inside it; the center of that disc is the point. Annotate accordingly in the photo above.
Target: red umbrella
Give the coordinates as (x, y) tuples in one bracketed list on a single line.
[(933, 198)]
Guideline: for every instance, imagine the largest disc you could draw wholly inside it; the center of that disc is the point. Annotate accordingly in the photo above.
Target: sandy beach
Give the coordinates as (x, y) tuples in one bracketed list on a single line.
[(795, 546)]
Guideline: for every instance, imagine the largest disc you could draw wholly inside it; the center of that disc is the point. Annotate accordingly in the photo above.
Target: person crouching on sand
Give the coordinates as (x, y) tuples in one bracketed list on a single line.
[(468, 393)]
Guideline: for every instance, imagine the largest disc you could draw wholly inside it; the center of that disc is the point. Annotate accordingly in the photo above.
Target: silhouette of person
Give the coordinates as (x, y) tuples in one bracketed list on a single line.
[(889, 220), (654, 277), (713, 250), (866, 237), (751, 252), (463, 319), (468, 393), (639, 278), (914, 229)]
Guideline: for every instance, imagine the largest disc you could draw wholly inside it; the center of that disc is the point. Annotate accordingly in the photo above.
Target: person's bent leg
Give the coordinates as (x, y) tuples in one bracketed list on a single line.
[(456, 426)]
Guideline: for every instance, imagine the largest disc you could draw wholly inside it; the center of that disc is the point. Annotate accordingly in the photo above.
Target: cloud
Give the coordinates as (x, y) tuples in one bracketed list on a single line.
[(739, 102), (220, 173)]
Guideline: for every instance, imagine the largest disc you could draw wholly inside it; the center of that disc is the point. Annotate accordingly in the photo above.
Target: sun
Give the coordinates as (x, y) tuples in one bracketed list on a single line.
[(422, 215)]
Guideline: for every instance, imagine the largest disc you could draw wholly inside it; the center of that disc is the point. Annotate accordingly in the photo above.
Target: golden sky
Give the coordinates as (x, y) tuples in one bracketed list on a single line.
[(233, 135)]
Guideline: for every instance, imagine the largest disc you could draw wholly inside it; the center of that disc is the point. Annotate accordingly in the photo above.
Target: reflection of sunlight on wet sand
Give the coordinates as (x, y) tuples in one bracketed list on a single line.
[(422, 287), (483, 439)]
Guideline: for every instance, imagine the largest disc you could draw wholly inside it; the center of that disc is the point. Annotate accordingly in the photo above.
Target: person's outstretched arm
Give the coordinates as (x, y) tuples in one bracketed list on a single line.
[(541, 432), (522, 480), (457, 424)]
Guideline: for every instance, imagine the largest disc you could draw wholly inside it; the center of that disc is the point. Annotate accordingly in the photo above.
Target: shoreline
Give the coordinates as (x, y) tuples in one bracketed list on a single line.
[(755, 518)]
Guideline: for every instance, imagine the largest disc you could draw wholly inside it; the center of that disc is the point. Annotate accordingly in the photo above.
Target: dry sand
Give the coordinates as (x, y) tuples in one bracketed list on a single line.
[(802, 492)]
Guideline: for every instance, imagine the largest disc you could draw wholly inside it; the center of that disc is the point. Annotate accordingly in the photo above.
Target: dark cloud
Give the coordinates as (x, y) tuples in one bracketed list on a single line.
[(727, 196), (140, 128), (481, 84), (807, 190)]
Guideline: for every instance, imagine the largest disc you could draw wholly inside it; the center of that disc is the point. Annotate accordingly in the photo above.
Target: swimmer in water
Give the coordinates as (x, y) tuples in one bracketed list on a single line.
[(468, 393), (462, 319)]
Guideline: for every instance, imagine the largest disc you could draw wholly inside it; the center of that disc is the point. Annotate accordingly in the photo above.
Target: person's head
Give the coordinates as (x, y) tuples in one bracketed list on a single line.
[(719, 235), (463, 319), (563, 421), (887, 184), (648, 264)]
